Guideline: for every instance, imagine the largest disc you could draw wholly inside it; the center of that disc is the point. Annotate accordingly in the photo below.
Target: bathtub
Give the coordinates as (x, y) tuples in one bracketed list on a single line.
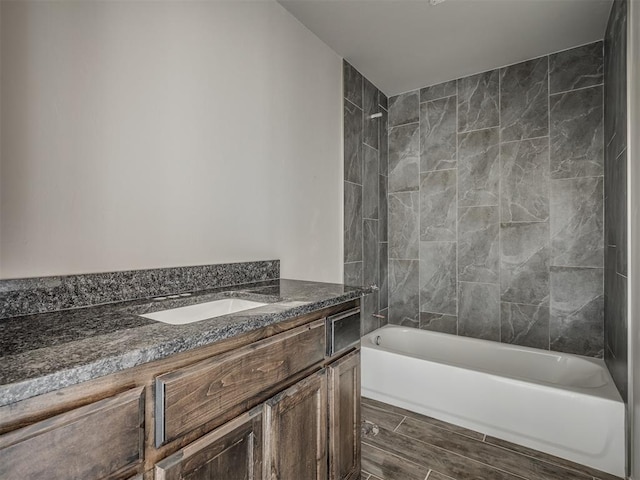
[(561, 404)]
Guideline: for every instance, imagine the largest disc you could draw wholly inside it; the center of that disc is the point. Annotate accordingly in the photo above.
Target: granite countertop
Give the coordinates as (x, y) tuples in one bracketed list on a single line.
[(48, 351)]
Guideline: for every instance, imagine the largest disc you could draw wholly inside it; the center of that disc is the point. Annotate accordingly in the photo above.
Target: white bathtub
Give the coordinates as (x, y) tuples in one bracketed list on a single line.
[(561, 404)]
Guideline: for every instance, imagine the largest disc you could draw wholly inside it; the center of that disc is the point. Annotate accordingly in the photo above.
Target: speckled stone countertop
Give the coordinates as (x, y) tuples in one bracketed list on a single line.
[(48, 351)]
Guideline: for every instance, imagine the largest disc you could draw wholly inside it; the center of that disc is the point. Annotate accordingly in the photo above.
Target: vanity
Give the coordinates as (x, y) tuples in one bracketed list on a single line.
[(280, 401)]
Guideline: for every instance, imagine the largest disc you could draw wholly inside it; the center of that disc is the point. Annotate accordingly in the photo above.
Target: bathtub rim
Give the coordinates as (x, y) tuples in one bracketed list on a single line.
[(607, 392)]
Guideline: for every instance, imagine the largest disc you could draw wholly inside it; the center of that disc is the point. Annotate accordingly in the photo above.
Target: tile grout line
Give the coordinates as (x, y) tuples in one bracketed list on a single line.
[(428, 474), (574, 89), (401, 422)]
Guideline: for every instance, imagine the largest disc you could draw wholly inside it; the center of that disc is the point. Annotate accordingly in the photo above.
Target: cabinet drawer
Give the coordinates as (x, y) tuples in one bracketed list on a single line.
[(193, 396), (90, 442)]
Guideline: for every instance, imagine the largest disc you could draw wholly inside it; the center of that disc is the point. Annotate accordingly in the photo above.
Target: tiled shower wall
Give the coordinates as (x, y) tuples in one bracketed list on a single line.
[(496, 204), (365, 193), (615, 188)]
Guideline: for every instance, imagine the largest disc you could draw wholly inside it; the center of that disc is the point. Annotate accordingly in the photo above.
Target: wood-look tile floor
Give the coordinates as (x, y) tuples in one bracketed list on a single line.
[(402, 445)]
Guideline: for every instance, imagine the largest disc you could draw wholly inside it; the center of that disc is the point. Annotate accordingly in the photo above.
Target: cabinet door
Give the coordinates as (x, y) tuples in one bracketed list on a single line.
[(344, 417), (231, 452), (296, 431)]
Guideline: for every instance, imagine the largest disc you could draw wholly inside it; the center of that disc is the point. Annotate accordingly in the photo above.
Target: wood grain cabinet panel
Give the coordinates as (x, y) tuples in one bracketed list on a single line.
[(193, 396), (344, 417), (96, 441), (231, 452), (296, 431)]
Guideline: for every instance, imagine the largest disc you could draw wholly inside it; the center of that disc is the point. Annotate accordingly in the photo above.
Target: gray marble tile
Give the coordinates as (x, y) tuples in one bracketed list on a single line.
[(383, 266), (403, 225), (526, 325), (352, 222), (352, 143), (404, 158), (370, 100), (524, 186), (383, 208), (576, 222), (441, 90), (438, 212), (438, 149), (353, 274), (616, 332), (28, 296), (352, 84), (383, 101), (438, 292), (616, 78), (404, 108), (478, 168), (524, 100), (620, 199), (576, 137), (478, 244), (385, 317), (370, 252), (404, 292), (437, 322), (479, 310), (478, 101), (577, 303), (369, 309), (370, 183), (524, 272), (383, 151), (576, 68)]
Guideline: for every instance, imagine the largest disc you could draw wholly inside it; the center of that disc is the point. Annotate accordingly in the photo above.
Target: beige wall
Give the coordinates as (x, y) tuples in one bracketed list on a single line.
[(148, 134)]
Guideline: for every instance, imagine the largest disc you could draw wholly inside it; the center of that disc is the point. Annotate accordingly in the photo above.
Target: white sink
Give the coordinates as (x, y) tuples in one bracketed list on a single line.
[(202, 311)]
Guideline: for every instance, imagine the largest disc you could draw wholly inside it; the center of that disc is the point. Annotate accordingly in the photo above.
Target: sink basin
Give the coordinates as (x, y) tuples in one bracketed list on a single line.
[(202, 311)]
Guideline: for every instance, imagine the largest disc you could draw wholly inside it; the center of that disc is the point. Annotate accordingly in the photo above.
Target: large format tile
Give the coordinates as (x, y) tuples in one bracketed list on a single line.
[(370, 320), (478, 100), (438, 282), (577, 311), (404, 292), (403, 225), (388, 466), (479, 310), (352, 84), (370, 183), (352, 143), (404, 158), (438, 204), (526, 325), (383, 209), (524, 273), (524, 100), (370, 100), (353, 274), (383, 101), (383, 268), (383, 149), (370, 252), (616, 78), (576, 222), (438, 322), (577, 138), (576, 68), (438, 134), (478, 244), (352, 222), (404, 108), (478, 168), (525, 181), (441, 90)]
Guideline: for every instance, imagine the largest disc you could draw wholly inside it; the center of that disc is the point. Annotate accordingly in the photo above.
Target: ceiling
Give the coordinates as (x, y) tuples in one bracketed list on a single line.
[(401, 45)]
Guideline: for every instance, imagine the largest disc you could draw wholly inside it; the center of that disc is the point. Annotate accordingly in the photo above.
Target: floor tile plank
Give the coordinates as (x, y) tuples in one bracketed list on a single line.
[(387, 466), (432, 457), (438, 476), (438, 423), (551, 459), (507, 460), (380, 417)]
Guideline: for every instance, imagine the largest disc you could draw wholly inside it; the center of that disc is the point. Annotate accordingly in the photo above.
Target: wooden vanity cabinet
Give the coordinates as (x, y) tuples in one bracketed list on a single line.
[(267, 405)]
